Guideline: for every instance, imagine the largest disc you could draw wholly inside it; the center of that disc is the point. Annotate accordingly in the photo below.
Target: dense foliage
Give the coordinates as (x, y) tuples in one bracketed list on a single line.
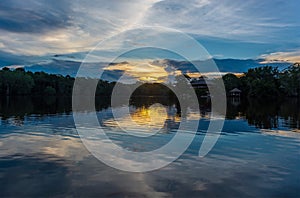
[(266, 82), (258, 82), (20, 82)]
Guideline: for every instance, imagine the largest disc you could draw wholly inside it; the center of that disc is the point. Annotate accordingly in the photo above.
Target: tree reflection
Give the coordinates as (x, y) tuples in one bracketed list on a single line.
[(264, 114)]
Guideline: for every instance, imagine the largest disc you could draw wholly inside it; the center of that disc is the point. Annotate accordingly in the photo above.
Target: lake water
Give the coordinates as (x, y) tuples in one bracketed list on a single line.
[(257, 154)]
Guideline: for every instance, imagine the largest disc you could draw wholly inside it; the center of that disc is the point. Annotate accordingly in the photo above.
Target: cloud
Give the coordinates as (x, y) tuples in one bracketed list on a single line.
[(33, 16), (256, 21), (7, 59), (292, 57), (39, 28), (61, 147), (147, 71), (15, 66), (42, 27)]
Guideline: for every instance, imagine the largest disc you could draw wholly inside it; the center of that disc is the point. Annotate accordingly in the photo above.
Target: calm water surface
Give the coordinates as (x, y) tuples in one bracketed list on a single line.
[(257, 155)]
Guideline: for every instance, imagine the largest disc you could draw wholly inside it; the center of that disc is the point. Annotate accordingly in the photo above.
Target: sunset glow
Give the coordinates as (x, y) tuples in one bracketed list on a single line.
[(145, 71)]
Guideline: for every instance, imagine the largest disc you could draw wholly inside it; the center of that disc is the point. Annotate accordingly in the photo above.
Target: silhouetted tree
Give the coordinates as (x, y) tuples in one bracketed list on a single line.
[(231, 81), (262, 82)]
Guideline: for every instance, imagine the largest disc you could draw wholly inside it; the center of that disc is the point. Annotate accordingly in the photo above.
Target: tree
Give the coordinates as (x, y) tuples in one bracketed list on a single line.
[(290, 80), (15, 82), (22, 83), (262, 82), (231, 81), (49, 91)]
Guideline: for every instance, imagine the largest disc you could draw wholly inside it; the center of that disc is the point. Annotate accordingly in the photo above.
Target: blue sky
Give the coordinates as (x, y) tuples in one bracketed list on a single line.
[(33, 31)]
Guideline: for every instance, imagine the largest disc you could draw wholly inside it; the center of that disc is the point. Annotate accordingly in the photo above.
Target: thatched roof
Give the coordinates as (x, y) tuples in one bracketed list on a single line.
[(236, 90)]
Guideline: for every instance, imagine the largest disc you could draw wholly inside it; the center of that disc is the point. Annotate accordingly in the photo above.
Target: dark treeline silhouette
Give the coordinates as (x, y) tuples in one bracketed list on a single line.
[(153, 89), (262, 82), (18, 82), (266, 82)]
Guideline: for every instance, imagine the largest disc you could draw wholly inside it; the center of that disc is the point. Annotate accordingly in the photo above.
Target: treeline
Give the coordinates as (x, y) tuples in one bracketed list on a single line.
[(258, 82), (266, 82), (20, 82)]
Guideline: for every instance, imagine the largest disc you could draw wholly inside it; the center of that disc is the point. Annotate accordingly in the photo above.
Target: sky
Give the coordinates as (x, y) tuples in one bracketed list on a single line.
[(40, 31)]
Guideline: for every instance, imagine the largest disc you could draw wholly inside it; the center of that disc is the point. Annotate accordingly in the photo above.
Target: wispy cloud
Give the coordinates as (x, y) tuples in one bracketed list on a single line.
[(292, 57), (34, 16), (44, 28), (256, 21)]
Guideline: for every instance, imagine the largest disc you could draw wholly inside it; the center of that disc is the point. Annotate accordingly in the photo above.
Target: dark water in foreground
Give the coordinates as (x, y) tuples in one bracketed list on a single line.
[(257, 155)]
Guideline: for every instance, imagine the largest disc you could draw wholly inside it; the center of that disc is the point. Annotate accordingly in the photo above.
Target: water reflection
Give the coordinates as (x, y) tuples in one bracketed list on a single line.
[(274, 114), (259, 113), (266, 114), (32, 181), (144, 119), (42, 155), (19, 107), (15, 109)]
